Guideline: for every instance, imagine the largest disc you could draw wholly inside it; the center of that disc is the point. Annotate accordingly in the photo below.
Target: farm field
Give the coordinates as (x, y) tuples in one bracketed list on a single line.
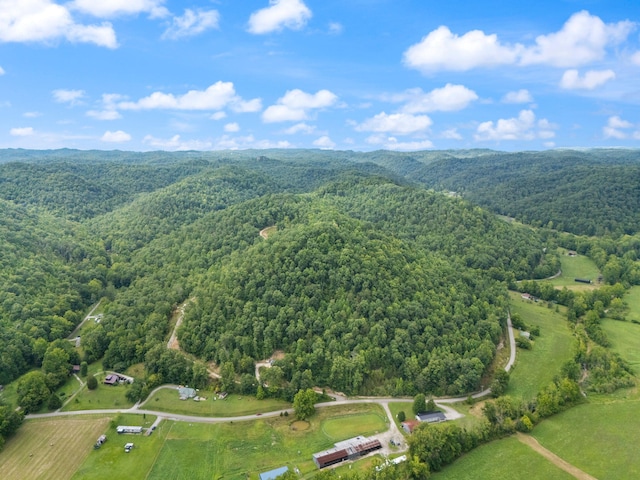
[(506, 459), (576, 267), (51, 449), (536, 368), (600, 437), (625, 340), (233, 450), (364, 424), (166, 400)]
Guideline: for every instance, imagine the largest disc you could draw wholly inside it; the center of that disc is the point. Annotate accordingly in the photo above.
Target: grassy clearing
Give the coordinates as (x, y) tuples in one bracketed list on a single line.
[(576, 267), (51, 449), (505, 459), (166, 400), (625, 340), (230, 450), (600, 437), (365, 424), (105, 396), (111, 461), (536, 368), (397, 407), (633, 300)]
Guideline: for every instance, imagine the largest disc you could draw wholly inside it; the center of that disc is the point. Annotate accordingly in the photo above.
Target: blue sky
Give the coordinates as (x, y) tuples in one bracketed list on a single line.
[(333, 74)]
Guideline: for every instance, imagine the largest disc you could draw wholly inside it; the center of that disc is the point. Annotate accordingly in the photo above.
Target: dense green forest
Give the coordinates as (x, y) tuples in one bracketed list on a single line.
[(369, 283)]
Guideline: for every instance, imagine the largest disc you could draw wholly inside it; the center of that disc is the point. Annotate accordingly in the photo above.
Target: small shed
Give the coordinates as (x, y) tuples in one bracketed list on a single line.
[(75, 369), (410, 425), (111, 379), (271, 474)]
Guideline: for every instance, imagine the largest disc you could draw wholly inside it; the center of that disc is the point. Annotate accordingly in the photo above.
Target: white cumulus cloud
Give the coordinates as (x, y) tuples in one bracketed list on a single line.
[(635, 58), (392, 143), (519, 96), (449, 98), (215, 97), (44, 21), (618, 128), (68, 96), (232, 127), (280, 14), (396, 123), (2, 72), (192, 23), (114, 8), (21, 132), (583, 39), (176, 143), (524, 127), (571, 79), (443, 50), (324, 142), (300, 128), (296, 104), (115, 137)]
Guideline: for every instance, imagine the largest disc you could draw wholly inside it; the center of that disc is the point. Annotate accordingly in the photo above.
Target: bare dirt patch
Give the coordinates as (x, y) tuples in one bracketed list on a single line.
[(265, 232), (50, 449), (300, 425)]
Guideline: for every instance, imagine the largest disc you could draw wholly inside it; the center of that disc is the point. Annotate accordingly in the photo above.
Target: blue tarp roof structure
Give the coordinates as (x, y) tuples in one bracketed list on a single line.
[(270, 475)]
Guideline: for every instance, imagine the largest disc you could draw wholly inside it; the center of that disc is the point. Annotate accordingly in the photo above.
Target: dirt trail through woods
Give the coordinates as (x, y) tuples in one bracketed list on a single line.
[(553, 458)]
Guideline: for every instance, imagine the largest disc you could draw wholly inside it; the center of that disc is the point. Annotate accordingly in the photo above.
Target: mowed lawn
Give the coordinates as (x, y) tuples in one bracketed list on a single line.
[(535, 368), (242, 450), (506, 459), (576, 267), (50, 449), (364, 424), (229, 450), (600, 438), (625, 340), (105, 396), (167, 400)]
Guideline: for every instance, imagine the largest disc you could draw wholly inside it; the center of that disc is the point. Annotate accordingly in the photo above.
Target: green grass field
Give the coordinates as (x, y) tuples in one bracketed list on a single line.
[(365, 424), (166, 400), (633, 300), (600, 437), (536, 368), (105, 396), (230, 450), (625, 340), (51, 449), (505, 459), (576, 267)]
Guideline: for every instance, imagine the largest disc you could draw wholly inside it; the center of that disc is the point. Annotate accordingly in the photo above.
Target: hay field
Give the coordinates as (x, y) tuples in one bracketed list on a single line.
[(50, 449)]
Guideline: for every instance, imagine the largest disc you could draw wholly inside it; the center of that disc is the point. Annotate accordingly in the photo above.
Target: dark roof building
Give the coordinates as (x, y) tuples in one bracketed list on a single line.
[(347, 450), (111, 379), (431, 417)]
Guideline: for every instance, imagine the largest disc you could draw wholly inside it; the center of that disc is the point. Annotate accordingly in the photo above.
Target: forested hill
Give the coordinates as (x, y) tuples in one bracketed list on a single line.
[(147, 231), (594, 192)]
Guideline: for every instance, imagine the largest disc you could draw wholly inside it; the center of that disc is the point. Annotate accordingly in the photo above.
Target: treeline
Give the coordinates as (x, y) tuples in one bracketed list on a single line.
[(582, 192)]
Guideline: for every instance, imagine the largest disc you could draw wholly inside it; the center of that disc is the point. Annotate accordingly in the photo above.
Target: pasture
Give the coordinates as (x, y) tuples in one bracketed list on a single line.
[(535, 368), (230, 450), (625, 340), (600, 437), (505, 459), (579, 266), (51, 449), (167, 400), (364, 424), (633, 300)]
